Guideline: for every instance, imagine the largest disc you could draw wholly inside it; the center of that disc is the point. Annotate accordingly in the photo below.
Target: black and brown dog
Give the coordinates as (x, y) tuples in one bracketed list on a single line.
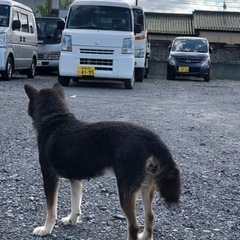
[(78, 150)]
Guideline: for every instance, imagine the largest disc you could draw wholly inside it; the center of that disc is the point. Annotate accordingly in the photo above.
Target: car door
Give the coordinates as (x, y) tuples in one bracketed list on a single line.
[(14, 41), (25, 58)]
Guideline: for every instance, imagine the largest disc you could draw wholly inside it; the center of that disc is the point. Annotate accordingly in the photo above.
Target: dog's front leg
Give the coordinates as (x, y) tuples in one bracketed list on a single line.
[(51, 193), (76, 200)]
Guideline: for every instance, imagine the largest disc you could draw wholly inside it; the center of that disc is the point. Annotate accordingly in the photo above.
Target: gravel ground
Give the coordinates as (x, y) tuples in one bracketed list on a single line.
[(199, 121)]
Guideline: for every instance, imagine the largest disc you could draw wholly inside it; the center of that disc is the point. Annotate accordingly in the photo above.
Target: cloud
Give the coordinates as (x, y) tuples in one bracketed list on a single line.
[(184, 6), (181, 6)]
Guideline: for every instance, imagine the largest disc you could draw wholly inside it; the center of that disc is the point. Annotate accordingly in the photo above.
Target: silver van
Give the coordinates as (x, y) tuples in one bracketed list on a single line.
[(18, 39)]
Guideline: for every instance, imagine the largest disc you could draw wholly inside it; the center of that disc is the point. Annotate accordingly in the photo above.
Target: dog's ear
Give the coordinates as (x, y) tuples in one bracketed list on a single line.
[(31, 91), (58, 87)]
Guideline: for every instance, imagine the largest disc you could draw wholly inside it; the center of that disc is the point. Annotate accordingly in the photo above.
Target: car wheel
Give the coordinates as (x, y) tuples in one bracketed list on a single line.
[(146, 72), (207, 78), (32, 70), (7, 74), (170, 77), (64, 81), (139, 74), (128, 83)]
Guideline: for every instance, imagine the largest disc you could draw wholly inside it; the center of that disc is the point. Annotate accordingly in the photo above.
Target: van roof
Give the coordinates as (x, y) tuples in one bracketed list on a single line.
[(187, 37), (101, 3), (14, 3)]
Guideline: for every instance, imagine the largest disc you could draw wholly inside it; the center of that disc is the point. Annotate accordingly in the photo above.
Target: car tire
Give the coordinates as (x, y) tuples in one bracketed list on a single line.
[(8, 72), (32, 70), (64, 81), (170, 77), (128, 83), (139, 74), (146, 72), (207, 78)]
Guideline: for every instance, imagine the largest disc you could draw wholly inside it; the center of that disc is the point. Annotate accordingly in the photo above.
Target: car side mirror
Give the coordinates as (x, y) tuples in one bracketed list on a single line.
[(210, 50), (60, 24), (169, 48), (16, 24), (140, 19), (137, 28)]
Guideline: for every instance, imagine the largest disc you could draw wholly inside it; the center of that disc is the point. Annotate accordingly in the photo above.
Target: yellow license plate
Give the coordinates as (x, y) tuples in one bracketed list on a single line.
[(86, 71), (183, 69)]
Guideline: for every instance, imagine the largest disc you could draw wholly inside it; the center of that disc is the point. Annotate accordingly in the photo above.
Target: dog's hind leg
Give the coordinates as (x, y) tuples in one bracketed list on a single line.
[(76, 200), (51, 193), (128, 202), (147, 198)]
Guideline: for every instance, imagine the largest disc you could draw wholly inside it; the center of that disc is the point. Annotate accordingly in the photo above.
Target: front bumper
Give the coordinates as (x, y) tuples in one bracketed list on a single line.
[(195, 70)]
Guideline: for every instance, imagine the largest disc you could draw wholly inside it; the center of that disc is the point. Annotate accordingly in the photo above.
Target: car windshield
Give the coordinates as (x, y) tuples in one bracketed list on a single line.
[(4, 15), (47, 30), (100, 18), (190, 45)]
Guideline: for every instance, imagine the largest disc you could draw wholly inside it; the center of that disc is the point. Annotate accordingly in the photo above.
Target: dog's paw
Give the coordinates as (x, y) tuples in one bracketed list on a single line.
[(41, 231), (70, 220), (143, 236)]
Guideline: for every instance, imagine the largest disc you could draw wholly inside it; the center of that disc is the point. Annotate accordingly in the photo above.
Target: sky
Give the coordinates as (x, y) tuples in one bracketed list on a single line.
[(185, 6)]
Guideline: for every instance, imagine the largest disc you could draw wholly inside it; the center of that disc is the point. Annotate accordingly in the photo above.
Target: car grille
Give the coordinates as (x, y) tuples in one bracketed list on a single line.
[(194, 69), (188, 60), (49, 56), (96, 51), (100, 64)]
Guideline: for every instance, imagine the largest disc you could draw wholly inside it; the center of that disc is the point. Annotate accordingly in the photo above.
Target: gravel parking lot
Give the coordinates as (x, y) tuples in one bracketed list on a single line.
[(199, 122)]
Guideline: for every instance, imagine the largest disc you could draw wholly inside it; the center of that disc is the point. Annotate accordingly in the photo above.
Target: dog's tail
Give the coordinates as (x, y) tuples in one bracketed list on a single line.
[(167, 176)]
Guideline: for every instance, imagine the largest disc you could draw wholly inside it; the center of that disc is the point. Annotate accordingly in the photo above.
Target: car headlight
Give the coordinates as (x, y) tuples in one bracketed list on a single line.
[(205, 62), (2, 39), (139, 53), (171, 61), (127, 46), (53, 55), (67, 43)]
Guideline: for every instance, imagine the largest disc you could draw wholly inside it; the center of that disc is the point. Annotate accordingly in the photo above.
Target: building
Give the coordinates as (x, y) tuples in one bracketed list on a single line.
[(221, 28)]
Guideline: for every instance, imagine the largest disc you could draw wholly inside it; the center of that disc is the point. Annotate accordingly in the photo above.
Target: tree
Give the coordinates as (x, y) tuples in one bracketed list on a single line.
[(64, 4), (44, 9)]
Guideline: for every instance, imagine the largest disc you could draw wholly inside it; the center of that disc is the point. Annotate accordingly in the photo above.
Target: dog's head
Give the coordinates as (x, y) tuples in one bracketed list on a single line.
[(45, 102)]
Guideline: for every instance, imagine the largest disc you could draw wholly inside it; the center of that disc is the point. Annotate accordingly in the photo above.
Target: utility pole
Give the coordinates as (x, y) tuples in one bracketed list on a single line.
[(136, 2), (49, 8), (224, 6)]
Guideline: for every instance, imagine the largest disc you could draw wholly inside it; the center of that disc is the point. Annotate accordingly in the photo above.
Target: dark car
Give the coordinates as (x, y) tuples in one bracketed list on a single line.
[(189, 56)]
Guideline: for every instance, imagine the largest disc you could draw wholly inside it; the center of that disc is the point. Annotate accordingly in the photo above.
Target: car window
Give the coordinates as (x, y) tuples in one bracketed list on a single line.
[(99, 17), (190, 45), (4, 15)]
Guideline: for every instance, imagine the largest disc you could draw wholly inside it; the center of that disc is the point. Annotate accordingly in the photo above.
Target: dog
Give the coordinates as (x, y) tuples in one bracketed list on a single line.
[(78, 150)]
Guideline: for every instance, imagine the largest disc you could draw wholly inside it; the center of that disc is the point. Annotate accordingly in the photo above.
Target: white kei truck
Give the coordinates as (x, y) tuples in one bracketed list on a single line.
[(98, 43), (142, 45), (49, 43)]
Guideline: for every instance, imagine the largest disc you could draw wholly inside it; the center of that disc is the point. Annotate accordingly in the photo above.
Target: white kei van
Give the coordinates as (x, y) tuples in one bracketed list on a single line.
[(98, 43), (18, 39), (49, 43)]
